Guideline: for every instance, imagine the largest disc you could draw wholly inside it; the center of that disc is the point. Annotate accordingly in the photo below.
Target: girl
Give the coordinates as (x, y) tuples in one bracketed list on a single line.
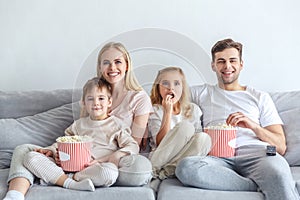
[(130, 104), (111, 142), (175, 124)]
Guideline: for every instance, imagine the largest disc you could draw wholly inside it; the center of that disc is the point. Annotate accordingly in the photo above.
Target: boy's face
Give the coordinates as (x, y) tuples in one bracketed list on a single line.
[(97, 103)]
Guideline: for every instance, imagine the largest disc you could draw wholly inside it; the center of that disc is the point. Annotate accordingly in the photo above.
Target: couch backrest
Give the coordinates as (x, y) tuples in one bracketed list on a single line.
[(39, 117), (25, 103), (35, 117), (288, 106)]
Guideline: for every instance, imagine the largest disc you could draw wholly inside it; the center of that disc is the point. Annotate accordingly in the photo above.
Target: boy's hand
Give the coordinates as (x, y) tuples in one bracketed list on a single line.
[(46, 152)]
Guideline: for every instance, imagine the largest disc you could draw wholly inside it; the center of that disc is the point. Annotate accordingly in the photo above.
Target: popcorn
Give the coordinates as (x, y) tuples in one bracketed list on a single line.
[(221, 126), (73, 139)]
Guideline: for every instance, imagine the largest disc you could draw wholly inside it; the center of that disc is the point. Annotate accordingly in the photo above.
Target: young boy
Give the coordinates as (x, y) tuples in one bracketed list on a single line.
[(111, 142)]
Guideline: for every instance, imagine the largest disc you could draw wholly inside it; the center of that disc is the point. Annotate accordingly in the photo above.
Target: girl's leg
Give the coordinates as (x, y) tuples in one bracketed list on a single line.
[(101, 174), (212, 173), (172, 144), (199, 145), (45, 168), (134, 170)]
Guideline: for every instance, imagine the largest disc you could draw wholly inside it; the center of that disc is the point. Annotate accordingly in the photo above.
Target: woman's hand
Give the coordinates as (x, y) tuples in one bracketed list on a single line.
[(112, 158)]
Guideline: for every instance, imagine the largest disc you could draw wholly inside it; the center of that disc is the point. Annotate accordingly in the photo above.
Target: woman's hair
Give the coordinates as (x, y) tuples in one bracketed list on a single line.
[(226, 44), (100, 84), (131, 82), (184, 100)]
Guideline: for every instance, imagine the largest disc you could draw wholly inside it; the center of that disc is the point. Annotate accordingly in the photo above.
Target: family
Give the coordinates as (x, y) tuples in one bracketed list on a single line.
[(118, 114)]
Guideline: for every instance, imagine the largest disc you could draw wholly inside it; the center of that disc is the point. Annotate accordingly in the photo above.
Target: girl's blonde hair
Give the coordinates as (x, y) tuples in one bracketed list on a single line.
[(99, 83), (184, 100), (131, 82)]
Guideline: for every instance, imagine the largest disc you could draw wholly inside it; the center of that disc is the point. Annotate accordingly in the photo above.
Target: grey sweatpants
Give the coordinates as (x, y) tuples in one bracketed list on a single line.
[(250, 170)]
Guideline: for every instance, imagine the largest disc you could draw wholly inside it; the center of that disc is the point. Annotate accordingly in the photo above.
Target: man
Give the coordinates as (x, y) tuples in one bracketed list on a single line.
[(259, 125)]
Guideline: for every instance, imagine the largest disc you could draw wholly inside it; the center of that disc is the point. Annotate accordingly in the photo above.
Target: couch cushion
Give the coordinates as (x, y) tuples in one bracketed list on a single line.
[(173, 189), (40, 129), (19, 104), (296, 176), (288, 106), (55, 192)]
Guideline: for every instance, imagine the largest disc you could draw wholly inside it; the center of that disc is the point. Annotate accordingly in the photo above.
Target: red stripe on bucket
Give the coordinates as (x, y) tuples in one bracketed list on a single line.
[(220, 142), (80, 155)]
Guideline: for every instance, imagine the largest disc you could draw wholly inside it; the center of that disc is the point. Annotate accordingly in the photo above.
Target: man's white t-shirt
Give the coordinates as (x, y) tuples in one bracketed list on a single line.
[(216, 105)]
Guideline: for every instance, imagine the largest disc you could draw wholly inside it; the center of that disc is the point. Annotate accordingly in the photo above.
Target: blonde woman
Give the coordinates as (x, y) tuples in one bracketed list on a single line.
[(130, 103)]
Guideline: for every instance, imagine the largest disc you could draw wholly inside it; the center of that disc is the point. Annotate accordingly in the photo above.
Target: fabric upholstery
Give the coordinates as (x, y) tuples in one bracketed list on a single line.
[(288, 106)]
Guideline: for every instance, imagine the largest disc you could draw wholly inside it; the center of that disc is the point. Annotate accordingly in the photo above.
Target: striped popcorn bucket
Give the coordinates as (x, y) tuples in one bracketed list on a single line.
[(223, 142), (75, 155)]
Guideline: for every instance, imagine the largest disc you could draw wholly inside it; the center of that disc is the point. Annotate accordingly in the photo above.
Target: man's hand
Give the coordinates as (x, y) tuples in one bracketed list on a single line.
[(240, 120)]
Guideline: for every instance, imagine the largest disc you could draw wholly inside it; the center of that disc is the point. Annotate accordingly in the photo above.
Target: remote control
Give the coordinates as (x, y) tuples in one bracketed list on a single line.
[(271, 150)]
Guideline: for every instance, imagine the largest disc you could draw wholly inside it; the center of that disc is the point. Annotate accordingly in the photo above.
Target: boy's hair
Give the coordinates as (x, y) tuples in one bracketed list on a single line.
[(99, 83), (184, 100), (131, 82), (226, 44)]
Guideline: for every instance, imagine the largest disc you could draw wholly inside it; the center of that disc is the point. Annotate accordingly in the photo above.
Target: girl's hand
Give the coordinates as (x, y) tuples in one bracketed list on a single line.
[(167, 103)]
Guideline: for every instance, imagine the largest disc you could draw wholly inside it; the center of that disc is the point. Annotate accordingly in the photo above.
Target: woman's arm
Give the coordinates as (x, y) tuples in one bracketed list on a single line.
[(139, 126)]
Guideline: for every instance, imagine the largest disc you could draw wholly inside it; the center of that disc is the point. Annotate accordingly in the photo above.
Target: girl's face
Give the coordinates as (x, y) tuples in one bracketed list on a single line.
[(113, 65), (97, 103), (171, 85)]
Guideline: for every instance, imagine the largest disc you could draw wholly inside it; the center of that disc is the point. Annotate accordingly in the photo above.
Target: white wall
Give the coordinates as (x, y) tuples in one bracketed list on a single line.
[(44, 44)]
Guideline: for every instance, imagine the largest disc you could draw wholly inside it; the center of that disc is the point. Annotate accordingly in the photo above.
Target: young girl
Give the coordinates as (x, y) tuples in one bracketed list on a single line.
[(175, 124), (111, 142), (131, 104)]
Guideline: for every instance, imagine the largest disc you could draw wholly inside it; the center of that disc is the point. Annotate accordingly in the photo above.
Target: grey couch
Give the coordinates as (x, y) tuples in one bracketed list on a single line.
[(38, 117)]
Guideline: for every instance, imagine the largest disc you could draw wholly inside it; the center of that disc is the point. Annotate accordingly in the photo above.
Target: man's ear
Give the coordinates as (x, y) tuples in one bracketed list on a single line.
[(242, 64), (213, 66)]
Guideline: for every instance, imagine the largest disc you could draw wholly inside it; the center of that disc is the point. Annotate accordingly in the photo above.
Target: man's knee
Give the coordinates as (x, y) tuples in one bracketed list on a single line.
[(187, 168)]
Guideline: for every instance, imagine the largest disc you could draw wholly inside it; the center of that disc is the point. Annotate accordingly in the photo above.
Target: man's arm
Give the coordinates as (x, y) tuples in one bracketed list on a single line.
[(273, 134)]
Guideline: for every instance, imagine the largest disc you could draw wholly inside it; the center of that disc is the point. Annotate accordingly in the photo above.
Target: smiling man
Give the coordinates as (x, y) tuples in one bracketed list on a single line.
[(258, 126)]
